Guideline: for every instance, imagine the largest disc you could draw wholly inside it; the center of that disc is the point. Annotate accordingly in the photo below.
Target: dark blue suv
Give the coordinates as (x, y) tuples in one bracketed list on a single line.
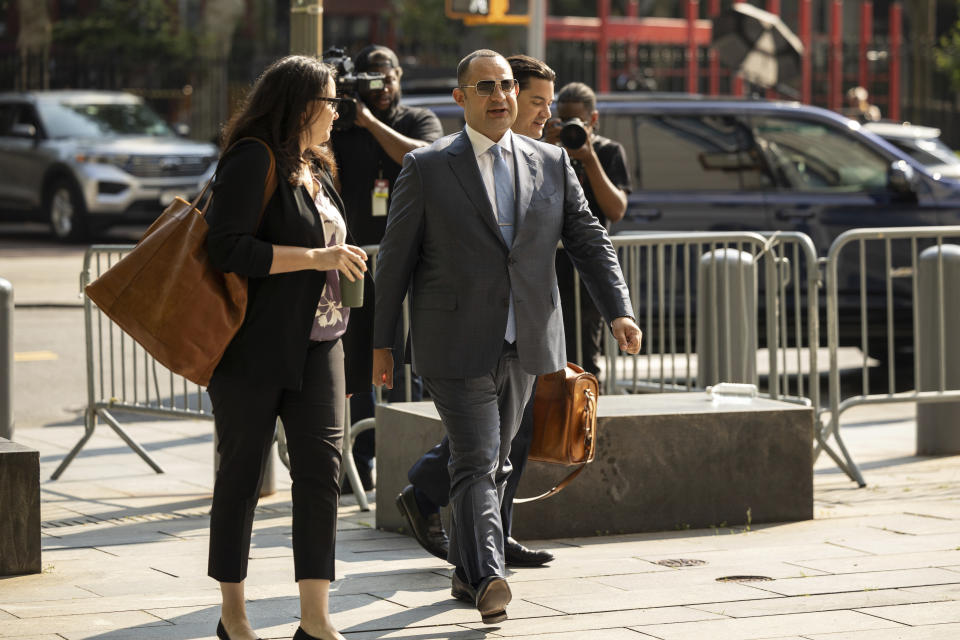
[(703, 164), (721, 164)]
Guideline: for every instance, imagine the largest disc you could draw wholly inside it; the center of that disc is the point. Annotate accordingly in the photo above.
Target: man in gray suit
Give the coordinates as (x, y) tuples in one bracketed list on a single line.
[(472, 232)]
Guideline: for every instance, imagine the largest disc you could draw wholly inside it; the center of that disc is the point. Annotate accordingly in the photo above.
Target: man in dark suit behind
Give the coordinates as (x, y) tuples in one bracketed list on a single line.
[(472, 232)]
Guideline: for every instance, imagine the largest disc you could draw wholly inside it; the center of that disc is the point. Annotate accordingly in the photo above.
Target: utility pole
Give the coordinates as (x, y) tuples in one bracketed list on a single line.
[(306, 27), (536, 41)]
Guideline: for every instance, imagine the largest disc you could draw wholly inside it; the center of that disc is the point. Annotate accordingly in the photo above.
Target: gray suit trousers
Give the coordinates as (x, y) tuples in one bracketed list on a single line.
[(481, 416)]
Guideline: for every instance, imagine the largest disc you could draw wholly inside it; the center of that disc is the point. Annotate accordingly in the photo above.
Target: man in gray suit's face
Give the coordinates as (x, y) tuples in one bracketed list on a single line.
[(492, 114), (471, 234)]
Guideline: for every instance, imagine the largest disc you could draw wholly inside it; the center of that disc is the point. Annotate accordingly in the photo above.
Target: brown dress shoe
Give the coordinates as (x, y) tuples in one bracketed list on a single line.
[(493, 596)]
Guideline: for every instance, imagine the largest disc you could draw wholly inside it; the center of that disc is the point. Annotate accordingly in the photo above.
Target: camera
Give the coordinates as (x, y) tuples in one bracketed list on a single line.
[(349, 85), (574, 133)]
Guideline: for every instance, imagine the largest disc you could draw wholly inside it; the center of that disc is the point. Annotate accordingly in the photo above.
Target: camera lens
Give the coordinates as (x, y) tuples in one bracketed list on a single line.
[(347, 111), (573, 135)]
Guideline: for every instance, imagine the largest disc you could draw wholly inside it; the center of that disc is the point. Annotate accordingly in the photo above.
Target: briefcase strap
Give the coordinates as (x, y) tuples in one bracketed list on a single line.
[(557, 489), (590, 408)]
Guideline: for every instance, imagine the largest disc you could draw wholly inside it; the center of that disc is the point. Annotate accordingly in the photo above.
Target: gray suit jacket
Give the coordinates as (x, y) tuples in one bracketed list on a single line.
[(442, 243)]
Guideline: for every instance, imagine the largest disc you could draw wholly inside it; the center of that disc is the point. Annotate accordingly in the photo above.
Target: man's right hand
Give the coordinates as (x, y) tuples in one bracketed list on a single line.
[(383, 368), (365, 117)]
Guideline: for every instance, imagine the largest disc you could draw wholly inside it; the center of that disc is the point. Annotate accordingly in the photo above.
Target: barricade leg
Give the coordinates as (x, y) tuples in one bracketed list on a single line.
[(843, 460), (89, 424), (349, 466), (133, 444)]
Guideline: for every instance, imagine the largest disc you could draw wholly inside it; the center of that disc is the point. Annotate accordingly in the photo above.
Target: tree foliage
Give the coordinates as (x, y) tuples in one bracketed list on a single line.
[(946, 54), (424, 21), (133, 30)]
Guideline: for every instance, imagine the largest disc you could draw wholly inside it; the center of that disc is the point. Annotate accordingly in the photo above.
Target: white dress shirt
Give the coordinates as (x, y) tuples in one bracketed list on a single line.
[(481, 144)]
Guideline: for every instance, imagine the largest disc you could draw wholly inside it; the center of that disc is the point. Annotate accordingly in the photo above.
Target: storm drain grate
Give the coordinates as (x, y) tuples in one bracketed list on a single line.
[(676, 563), (744, 579)]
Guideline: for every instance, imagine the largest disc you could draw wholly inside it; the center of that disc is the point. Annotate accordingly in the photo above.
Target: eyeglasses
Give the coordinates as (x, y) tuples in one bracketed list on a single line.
[(487, 87), (333, 103)]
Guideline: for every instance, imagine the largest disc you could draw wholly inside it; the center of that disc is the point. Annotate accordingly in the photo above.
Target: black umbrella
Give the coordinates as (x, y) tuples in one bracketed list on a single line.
[(758, 44)]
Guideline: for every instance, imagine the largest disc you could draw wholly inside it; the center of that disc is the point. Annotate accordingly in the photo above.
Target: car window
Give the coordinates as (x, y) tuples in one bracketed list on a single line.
[(8, 115), (73, 120), (693, 152), (27, 115), (928, 151), (811, 156)]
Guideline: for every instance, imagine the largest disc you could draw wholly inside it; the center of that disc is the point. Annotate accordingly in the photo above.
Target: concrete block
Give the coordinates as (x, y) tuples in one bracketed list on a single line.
[(664, 461), (19, 509)]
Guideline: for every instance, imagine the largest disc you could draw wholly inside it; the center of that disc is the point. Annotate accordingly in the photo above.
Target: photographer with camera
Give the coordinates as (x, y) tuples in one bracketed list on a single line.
[(601, 166), (369, 140)]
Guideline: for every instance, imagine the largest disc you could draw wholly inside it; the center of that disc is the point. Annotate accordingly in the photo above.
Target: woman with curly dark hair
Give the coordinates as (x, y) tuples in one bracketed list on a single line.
[(286, 360)]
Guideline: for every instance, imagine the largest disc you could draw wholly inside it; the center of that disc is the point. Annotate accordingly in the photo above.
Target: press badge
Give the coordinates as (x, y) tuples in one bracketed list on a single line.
[(380, 195)]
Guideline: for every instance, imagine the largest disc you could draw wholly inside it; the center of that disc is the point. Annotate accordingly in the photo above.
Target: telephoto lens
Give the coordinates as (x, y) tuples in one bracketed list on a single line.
[(574, 133)]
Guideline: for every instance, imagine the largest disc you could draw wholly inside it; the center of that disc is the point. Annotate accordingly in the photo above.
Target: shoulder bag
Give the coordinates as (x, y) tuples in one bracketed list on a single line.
[(167, 296)]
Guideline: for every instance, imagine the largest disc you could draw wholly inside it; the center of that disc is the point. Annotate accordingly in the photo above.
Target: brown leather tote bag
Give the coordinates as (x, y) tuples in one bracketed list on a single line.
[(564, 422), (167, 296)]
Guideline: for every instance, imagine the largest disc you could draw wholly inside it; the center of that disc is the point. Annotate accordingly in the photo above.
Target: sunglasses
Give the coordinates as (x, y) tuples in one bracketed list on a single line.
[(487, 87)]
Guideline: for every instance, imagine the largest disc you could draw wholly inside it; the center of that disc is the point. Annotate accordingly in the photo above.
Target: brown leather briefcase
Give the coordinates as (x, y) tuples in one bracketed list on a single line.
[(564, 422)]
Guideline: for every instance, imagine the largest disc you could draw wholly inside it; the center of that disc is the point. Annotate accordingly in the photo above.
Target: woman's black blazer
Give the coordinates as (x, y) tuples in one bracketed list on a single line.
[(272, 342)]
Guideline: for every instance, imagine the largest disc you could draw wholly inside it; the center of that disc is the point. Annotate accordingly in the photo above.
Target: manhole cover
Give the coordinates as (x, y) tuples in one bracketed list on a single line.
[(681, 562), (744, 579)]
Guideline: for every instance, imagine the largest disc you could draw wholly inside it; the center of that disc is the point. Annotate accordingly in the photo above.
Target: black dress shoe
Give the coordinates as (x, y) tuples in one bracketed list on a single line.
[(517, 555), (428, 530), (493, 596), (222, 631), (303, 635), (462, 590)]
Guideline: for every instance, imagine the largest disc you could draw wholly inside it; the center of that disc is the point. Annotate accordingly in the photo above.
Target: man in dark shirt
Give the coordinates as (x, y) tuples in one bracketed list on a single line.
[(601, 166), (369, 155)]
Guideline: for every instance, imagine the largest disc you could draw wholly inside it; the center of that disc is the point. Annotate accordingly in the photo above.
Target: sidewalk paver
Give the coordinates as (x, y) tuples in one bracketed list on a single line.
[(125, 558)]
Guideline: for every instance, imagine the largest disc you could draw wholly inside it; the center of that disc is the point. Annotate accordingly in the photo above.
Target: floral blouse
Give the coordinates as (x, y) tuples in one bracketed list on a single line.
[(331, 318)]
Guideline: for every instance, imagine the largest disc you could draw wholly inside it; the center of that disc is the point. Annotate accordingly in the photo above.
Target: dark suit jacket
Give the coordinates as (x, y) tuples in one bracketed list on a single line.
[(442, 239), (271, 344)]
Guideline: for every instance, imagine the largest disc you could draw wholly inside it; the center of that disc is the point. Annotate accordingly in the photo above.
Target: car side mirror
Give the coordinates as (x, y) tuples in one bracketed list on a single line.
[(901, 178), (23, 130)]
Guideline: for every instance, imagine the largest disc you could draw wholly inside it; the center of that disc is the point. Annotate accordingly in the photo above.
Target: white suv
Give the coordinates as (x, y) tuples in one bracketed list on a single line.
[(87, 160)]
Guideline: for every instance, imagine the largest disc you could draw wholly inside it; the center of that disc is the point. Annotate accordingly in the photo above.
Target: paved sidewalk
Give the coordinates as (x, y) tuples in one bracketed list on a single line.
[(125, 557)]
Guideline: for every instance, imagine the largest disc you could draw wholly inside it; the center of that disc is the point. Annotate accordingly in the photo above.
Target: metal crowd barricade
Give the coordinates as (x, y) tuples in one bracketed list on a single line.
[(661, 274), (660, 270), (885, 266), (122, 376)]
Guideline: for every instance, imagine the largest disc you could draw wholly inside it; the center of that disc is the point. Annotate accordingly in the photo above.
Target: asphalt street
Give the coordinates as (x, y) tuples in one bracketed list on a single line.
[(49, 378)]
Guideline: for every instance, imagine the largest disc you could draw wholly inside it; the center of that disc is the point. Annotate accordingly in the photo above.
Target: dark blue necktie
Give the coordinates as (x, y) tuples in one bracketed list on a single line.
[(503, 187)]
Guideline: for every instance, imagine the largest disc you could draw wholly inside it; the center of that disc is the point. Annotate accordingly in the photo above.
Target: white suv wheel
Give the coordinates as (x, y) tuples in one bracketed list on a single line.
[(62, 213), (66, 211)]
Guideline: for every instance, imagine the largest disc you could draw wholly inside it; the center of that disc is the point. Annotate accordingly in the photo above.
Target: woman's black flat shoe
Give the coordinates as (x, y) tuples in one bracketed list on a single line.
[(222, 632), (303, 635)]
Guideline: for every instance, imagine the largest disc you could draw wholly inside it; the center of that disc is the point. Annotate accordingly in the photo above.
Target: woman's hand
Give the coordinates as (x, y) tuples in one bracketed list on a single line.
[(349, 260)]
